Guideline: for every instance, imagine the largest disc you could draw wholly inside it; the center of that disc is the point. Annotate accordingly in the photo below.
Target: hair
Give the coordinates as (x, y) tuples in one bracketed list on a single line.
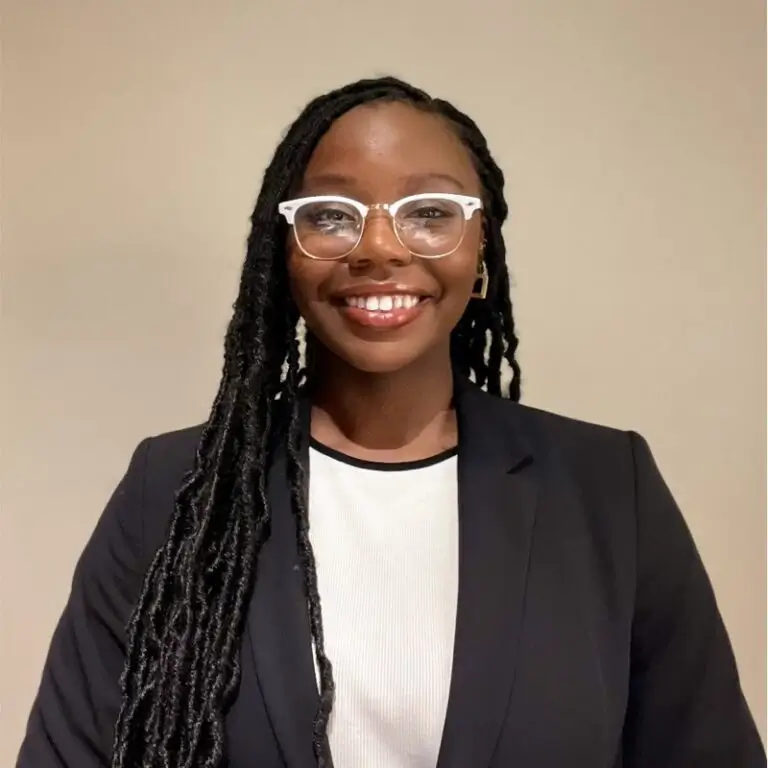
[(182, 665)]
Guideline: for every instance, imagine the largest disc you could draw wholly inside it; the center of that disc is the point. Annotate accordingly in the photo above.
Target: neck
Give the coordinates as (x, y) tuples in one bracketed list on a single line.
[(409, 411)]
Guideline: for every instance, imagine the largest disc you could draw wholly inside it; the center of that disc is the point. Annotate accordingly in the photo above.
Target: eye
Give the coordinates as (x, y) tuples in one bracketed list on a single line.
[(432, 215), (327, 217), (430, 211)]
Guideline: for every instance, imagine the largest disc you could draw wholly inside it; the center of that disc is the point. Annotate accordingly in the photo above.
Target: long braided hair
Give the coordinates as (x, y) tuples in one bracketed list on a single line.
[(182, 664)]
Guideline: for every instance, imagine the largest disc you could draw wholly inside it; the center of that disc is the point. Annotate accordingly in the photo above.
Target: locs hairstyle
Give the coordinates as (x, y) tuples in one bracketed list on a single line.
[(182, 664)]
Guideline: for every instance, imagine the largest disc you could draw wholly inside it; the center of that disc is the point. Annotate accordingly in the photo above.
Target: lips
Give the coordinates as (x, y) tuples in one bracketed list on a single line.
[(384, 303), (381, 307)]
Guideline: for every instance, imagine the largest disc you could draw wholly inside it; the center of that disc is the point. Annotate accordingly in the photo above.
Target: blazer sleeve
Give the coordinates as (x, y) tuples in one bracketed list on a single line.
[(72, 720), (686, 707)]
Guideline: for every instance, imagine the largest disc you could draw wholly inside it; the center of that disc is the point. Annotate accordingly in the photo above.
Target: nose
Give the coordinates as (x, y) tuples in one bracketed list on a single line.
[(379, 244)]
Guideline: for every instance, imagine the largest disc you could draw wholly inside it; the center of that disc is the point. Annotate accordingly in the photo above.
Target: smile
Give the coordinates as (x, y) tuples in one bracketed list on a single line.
[(382, 303), (384, 312)]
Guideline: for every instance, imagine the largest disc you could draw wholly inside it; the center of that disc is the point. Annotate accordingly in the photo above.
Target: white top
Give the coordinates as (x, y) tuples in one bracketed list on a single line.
[(385, 538)]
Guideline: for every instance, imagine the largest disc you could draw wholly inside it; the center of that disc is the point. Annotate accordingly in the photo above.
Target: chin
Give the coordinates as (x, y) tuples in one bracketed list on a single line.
[(379, 356), (376, 355), (375, 362)]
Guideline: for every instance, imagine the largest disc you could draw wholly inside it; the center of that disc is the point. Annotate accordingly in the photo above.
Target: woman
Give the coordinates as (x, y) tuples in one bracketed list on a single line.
[(495, 586)]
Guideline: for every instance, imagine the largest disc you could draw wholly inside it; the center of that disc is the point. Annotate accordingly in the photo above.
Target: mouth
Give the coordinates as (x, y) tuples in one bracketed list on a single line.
[(385, 311)]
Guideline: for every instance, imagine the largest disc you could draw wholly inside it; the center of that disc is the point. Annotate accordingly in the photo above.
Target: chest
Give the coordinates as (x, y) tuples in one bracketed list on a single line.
[(518, 619), (386, 551)]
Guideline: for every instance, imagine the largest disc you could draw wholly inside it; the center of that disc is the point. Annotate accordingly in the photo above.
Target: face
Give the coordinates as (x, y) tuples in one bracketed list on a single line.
[(380, 308)]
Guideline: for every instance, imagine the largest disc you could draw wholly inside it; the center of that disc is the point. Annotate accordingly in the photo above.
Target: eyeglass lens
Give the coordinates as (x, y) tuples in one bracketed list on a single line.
[(332, 229)]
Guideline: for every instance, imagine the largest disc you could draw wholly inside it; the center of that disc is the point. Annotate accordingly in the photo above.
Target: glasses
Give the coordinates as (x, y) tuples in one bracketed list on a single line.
[(429, 225)]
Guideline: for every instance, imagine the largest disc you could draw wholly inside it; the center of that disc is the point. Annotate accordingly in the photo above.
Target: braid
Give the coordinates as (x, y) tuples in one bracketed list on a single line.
[(297, 481), (182, 664), (486, 334)]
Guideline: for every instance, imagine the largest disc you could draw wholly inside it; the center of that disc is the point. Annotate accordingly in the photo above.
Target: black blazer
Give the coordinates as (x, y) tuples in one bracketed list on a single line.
[(587, 631)]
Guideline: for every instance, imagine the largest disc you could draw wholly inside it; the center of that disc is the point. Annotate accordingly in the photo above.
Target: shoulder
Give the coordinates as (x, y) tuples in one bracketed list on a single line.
[(611, 473), (583, 442), (596, 449), (159, 466), (598, 463), (601, 458), (554, 425), (549, 434), (170, 455)]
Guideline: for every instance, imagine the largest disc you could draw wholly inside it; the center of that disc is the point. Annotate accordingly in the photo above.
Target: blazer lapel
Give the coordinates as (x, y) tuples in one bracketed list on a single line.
[(278, 624), (497, 501)]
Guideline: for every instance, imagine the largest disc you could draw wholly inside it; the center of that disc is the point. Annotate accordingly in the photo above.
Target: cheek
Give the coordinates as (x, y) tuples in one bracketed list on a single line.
[(309, 280), (457, 274), (306, 279)]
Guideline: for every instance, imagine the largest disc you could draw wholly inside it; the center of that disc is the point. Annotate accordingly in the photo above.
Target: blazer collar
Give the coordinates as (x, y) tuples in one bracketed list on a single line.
[(497, 499), (490, 427), (497, 504)]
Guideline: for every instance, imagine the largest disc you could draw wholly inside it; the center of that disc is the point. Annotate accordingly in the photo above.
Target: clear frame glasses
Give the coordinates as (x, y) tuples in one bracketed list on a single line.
[(430, 225)]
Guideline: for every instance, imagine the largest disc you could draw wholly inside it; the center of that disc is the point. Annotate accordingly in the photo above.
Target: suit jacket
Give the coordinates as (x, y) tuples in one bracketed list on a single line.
[(587, 631)]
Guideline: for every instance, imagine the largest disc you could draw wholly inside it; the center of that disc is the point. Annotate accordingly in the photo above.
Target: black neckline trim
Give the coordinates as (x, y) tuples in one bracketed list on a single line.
[(382, 466)]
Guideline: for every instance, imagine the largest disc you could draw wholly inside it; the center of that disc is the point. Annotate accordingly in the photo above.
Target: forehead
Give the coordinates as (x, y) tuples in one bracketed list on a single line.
[(381, 151)]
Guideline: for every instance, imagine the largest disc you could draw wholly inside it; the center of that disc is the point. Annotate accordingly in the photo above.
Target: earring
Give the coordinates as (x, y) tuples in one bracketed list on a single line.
[(481, 284)]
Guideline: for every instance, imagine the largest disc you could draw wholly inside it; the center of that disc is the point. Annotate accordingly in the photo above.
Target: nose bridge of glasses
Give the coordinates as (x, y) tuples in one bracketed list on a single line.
[(378, 210), (381, 213), (380, 233)]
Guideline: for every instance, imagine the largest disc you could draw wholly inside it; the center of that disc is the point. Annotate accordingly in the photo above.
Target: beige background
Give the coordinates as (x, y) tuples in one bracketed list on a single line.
[(134, 138)]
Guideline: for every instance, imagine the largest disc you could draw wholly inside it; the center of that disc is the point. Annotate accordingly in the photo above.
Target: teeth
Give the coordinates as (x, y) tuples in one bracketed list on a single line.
[(382, 303)]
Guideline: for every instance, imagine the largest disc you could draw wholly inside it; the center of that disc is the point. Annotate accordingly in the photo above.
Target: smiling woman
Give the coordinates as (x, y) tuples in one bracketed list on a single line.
[(428, 225), (374, 556), (389, 206)]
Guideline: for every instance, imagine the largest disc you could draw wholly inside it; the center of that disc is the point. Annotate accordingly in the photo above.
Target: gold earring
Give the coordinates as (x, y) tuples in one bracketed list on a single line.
[(481, 291)]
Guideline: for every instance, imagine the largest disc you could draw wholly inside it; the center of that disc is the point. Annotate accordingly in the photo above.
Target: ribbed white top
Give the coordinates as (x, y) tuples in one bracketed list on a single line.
[(385, 538)]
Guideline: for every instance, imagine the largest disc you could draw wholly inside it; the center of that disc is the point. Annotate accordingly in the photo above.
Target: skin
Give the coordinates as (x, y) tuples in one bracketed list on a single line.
[(385, 394)]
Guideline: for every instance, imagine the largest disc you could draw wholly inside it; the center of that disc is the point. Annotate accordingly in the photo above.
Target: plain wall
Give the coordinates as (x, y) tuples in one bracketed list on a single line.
[(134, 136)]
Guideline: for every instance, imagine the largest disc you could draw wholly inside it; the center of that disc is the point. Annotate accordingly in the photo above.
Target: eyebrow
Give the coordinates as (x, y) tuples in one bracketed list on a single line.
[(340, 180), (444, 177)]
